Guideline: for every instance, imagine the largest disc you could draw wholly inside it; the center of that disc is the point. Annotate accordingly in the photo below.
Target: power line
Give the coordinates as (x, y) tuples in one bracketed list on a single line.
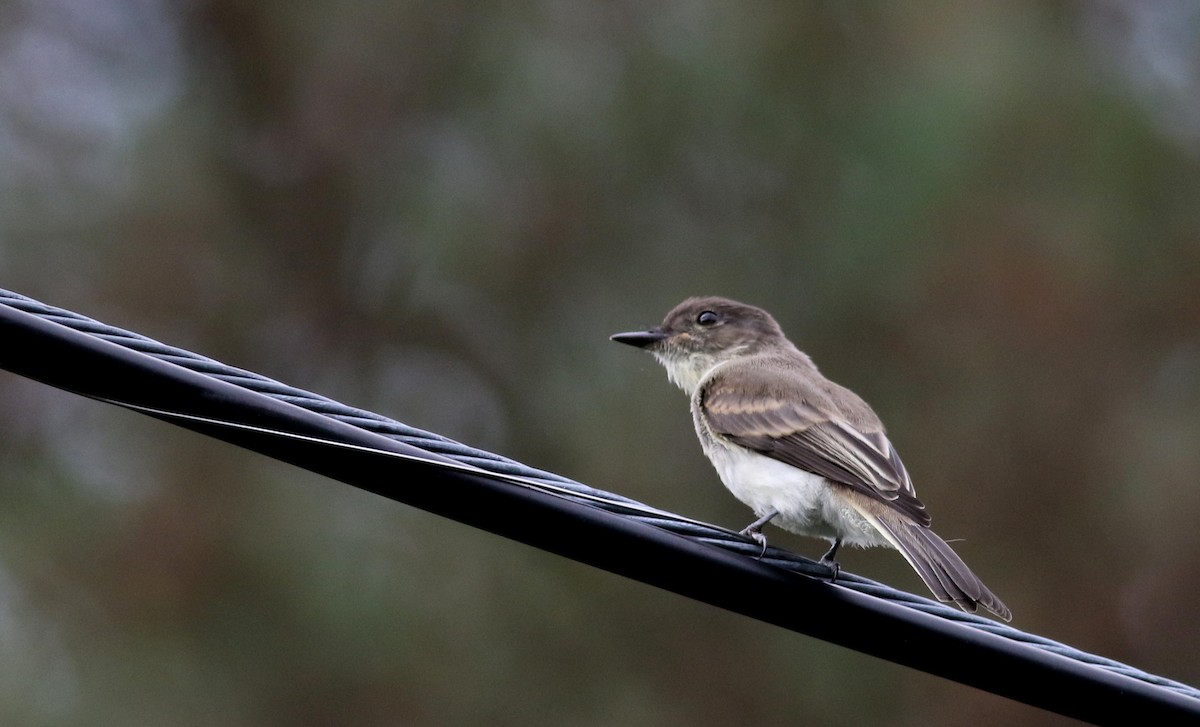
[(703, 561)]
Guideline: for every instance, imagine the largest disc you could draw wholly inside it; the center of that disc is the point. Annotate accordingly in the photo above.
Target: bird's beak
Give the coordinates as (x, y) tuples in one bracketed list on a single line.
[(639, 339)]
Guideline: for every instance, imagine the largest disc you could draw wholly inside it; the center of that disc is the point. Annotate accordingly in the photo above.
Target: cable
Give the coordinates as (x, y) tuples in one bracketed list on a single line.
[(556, 513)]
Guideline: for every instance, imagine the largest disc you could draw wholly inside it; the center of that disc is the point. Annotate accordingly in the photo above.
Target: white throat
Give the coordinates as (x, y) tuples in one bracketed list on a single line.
[(688, 371)]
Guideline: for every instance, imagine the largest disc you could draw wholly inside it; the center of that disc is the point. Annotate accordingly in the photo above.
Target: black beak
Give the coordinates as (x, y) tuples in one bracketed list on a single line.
[(639, 339)]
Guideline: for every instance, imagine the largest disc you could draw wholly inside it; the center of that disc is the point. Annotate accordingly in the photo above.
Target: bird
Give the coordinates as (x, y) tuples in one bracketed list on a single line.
[(802, 452)]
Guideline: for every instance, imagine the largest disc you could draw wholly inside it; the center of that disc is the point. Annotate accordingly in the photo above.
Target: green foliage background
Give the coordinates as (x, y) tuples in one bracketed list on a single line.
[(983, 216)]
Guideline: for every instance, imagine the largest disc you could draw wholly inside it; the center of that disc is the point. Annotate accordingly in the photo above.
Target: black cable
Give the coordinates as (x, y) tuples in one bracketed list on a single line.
[(481, 488)]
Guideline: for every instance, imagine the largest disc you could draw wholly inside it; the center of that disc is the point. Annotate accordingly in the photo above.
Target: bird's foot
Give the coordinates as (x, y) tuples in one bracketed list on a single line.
[(833, 567), (754, 531), (829, 560), (758, 537)]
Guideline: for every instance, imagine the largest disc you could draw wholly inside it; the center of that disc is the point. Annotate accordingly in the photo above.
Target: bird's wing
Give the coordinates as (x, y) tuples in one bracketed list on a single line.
[(803, 428)]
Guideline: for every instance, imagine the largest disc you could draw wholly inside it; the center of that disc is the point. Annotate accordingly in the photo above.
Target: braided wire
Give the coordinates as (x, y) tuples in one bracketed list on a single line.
[(623, 506)]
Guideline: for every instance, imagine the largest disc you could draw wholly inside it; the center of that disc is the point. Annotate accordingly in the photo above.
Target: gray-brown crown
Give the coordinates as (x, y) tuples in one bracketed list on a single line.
[(711, 324)]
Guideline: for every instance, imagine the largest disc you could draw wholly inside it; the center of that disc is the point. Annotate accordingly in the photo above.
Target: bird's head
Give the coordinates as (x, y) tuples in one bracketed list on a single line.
[(700, 333)]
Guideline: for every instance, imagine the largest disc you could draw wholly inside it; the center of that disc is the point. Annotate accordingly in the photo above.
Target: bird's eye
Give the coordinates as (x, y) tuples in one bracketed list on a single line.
[(707, 318)]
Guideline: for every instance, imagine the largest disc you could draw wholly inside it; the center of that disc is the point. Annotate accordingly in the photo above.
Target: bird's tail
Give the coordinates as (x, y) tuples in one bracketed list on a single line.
[(940, 567)]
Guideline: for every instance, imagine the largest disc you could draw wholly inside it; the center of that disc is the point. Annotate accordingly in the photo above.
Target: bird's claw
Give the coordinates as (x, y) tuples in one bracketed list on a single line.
[(754, 531), (828, 561), (833, 567), (756, 535)]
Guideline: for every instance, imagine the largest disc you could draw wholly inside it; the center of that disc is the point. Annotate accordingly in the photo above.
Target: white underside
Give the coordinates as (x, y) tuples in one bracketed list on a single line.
[(805, 501)]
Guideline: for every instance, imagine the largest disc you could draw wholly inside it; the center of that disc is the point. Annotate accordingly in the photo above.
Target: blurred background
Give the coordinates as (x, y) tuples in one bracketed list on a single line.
[(984, 217)]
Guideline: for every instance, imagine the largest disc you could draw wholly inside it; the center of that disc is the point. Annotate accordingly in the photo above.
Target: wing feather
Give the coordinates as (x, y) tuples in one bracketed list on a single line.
[(807, 426)]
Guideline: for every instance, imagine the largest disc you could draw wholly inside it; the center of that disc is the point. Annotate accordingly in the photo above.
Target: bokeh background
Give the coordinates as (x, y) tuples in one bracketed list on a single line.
[(982, 216)]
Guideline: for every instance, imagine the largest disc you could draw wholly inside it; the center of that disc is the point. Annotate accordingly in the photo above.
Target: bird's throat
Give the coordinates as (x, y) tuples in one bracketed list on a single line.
[(687, 371)]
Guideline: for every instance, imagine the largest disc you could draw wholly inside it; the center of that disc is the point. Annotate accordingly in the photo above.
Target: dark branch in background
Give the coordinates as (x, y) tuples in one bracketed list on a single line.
[(554, 513)]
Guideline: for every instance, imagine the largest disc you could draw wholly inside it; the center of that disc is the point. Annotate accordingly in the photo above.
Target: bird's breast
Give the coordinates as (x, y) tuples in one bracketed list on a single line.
[(806, 502)]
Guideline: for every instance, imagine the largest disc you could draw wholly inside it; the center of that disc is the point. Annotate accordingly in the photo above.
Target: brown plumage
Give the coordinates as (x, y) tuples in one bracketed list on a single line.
[(799, 449)]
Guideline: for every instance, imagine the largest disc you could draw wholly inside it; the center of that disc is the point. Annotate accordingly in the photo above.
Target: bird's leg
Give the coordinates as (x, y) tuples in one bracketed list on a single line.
[(754, 530), (828, 559)]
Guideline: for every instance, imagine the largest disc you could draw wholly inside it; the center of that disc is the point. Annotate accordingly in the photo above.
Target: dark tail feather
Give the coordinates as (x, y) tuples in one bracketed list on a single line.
[(940, 567)]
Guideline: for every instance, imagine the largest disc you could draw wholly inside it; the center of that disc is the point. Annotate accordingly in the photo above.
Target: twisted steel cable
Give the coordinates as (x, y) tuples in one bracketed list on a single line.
[(442, 451)]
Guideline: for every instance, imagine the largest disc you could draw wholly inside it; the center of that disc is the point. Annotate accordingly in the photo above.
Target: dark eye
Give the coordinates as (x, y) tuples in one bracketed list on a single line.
[(707, 318)]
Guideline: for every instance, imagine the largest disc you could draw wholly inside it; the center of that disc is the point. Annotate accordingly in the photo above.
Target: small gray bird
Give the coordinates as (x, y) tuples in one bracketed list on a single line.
[(795, 447)]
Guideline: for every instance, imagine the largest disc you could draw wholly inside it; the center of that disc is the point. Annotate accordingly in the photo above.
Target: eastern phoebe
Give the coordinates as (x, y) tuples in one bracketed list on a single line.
[(795, 447)]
